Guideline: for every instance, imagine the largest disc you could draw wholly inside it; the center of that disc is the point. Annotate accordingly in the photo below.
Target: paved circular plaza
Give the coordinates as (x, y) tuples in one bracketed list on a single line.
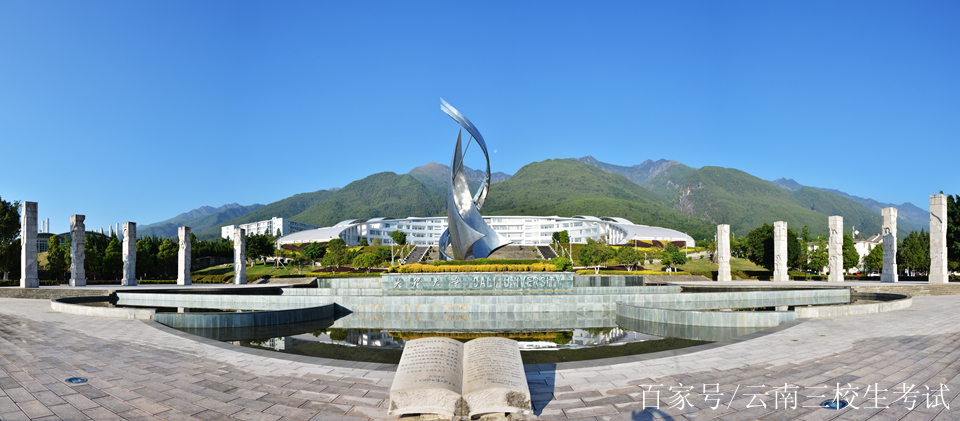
[(899, 365)]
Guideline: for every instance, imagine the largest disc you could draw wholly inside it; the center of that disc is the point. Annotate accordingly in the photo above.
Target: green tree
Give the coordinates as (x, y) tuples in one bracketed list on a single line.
[(112, 260), (94, 247), (9, 233), (819, 257), (563, 264), (672, 256), (562, 237), (759, 249), (953, 231), (167, 257), (399, 237), (336, 253), (594, 254), (367, 260), (850, 256), (873, 261), (146, 258), (259, 247), (805, 234), (314, 251), (363, 242), (58, 260), (376, 242), (913, 253), (628, 257)]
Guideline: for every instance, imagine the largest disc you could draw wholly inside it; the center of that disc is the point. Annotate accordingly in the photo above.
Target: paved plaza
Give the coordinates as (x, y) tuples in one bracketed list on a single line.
[(899, 365)]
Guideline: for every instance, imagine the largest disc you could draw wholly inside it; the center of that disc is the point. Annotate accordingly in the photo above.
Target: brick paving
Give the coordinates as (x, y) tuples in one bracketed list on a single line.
[(144, 371)]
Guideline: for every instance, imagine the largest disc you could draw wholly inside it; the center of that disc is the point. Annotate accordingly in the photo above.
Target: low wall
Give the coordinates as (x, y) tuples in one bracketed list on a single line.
[(372, 300), (742, 299), (731, 319), (608, 281), (893, 302), (48, 293), (243, 319), (913, 290), (71, 305)]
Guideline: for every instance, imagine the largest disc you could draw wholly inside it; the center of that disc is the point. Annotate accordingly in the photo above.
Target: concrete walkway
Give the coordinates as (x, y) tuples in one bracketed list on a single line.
[(141, 370)]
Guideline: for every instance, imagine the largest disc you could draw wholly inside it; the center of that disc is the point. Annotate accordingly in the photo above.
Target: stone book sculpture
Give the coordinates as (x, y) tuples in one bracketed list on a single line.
[(446, 377)]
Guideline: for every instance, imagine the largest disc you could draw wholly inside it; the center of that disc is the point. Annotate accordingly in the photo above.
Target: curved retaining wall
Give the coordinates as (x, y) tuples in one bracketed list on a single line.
[(732, 319), (892, 302), (244, 319), (71, 305), (359, 296)]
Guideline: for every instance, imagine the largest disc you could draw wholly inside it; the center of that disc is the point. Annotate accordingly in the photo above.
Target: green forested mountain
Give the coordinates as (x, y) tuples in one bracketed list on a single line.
[(726, 195), (567, 187), (285, 208), (663, 177), (672, 195), (197, 219), (384, 194)]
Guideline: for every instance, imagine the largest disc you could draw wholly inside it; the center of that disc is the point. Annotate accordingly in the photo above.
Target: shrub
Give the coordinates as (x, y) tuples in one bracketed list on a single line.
[(563, 264)]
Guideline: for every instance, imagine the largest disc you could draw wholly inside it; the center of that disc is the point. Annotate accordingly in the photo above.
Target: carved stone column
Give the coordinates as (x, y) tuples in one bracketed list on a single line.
[(78, 238), (723, 253), (239, 256), (938, 239), (183, 257), (129, 254), (889, 273), (28, 246), (780, 251), (835, 250)]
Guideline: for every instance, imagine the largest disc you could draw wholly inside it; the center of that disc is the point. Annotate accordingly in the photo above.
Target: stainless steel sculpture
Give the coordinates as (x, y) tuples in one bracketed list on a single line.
[(467, 234)]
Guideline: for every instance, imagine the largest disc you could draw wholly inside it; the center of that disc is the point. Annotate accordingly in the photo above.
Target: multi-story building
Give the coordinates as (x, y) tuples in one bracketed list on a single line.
[(272, 226), (520, 230)]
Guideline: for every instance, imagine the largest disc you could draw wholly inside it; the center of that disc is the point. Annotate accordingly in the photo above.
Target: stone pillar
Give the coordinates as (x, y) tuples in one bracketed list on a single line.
[(183, 257), (129, 254), (780, 252), (78, 238), (28, 246), (835, 250), (938, 240), (889, 273), (239, 256), (723, 253)]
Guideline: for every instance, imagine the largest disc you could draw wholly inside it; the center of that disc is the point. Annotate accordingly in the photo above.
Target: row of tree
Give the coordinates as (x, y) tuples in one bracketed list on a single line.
[(156, 258)]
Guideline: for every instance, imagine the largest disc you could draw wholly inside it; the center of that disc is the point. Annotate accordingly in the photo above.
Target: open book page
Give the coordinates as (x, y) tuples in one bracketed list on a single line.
[(494, 380), (429, 377)]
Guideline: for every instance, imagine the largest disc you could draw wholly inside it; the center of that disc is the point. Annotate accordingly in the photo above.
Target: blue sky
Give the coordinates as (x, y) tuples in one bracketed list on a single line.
[(137, 111)]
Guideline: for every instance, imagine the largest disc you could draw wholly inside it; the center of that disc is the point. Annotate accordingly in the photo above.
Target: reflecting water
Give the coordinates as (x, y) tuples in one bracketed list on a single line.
[(543, 338)]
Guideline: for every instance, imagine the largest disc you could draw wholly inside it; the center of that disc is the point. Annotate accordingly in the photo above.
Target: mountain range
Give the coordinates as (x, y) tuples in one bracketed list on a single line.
[(661, 193), (198, 219)]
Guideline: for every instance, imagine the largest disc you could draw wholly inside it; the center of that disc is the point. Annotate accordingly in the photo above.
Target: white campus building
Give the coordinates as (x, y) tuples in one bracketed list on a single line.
[(269, 227), (520, 230)]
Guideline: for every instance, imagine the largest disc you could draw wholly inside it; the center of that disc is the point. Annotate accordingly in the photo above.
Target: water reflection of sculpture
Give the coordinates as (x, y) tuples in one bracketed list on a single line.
[(467, 235)]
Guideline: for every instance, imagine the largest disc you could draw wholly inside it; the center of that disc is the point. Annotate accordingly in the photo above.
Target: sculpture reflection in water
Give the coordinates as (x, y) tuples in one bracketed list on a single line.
[(467, 235)]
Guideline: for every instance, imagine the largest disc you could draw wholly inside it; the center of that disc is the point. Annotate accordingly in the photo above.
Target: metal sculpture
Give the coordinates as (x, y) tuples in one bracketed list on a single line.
[(467, 234)]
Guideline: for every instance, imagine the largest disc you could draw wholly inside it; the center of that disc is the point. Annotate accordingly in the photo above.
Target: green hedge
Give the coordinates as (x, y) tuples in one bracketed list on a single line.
[(420, 268), (485, 261)]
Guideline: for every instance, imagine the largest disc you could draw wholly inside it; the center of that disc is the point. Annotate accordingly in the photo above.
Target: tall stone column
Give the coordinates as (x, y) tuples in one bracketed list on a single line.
[(129, 254), (78, 238), (938, 240), (28, 246), (239, 256), (889, 273), (780, 252), (835, 250), (723, 253), (183, 257)]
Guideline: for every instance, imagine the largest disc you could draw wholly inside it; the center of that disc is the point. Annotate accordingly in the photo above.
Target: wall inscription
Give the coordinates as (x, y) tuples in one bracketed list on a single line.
[(478, 283)]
